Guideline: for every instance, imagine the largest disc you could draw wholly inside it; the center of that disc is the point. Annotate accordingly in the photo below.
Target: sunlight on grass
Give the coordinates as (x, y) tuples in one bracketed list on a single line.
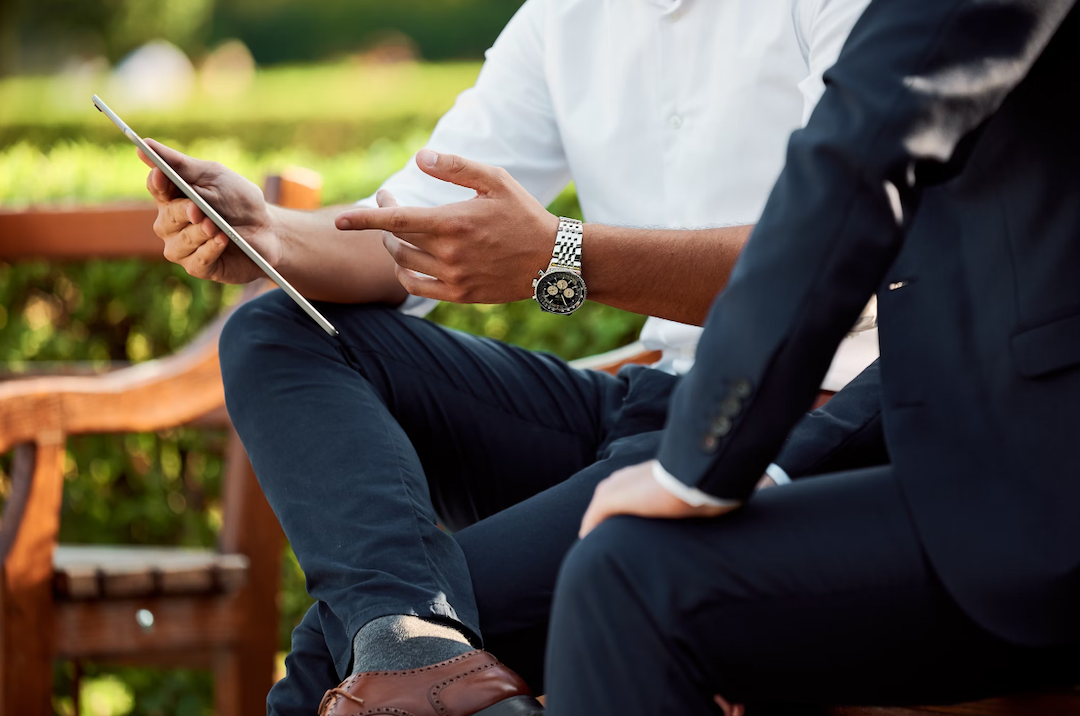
[(345, 91), (82, 172)]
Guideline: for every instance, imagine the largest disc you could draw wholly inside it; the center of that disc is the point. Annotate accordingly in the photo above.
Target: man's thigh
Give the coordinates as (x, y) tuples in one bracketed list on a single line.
[(490, 423), (818, 592)]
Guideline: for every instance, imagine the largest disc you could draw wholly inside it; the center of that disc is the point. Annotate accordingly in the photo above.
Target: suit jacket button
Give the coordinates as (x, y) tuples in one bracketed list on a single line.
[(730, 407), (741, 388), (721, 427), (709, 444)]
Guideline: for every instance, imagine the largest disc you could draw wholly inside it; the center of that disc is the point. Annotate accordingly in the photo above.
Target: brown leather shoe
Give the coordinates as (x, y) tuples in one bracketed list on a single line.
[(473, 684)]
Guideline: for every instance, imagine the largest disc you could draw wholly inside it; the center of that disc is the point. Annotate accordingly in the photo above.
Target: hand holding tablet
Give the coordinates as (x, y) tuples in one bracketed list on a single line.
[(211, 255)]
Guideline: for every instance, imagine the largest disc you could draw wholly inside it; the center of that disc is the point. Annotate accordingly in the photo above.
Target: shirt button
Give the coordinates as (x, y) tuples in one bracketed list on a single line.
[(675, 121)]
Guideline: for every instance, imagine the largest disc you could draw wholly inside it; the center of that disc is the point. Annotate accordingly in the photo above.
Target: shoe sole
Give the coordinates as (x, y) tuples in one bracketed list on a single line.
[(516, 706)]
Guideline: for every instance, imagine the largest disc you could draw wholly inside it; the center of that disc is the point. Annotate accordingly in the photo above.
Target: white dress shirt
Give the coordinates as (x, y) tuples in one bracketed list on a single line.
[(821, 27), (665, 113)]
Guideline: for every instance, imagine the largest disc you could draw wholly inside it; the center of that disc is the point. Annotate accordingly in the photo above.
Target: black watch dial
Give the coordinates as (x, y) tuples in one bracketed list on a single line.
[(560, 291)]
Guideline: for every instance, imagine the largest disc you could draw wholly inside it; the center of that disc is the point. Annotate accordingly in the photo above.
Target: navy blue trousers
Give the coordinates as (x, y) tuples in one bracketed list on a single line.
[(814, 593), (364, 444)]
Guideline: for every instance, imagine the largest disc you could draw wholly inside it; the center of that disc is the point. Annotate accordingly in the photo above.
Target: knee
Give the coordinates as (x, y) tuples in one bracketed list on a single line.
[(255, 341), (266, 319), (600, 567), (622, 568)]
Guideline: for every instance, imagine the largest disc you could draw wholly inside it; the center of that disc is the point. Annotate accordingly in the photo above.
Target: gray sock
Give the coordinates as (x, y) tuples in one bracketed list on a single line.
[(400, 642)]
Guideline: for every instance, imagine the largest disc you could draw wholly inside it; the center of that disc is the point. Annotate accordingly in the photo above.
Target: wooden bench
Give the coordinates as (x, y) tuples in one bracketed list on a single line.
[(213, 609), (205, 608)]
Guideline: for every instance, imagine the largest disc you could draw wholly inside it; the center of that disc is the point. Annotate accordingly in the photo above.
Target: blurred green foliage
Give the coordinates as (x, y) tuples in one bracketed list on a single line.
[(326, 109), (294, 30), (39, 34), (110, 27), (165, 488)]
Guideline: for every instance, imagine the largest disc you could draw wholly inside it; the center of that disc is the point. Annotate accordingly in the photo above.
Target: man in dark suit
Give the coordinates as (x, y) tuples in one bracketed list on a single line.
[(939, 171)]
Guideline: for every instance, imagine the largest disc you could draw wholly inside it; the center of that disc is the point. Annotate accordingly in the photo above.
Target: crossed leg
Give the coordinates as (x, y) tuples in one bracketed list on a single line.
[(364, 446)]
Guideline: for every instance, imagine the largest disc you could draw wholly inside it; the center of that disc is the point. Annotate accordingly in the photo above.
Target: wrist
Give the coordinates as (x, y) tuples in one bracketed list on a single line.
[(560, 289), (279, 236), (544, 246)]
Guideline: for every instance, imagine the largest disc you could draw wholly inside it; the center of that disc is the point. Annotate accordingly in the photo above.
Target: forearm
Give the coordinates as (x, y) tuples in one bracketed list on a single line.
[(656, 272), (326, 264)]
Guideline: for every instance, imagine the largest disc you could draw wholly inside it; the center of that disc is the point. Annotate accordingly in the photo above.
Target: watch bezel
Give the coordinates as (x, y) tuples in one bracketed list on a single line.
[(580, 290)]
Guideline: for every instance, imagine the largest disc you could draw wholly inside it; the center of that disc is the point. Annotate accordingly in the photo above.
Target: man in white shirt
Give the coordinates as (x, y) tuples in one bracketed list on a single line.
[(669, 114)]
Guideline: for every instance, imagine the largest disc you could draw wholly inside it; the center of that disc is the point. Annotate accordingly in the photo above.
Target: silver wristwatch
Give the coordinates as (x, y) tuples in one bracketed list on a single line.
[(561, 289)]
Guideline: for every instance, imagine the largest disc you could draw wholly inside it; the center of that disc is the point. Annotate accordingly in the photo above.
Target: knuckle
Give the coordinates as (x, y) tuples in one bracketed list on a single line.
[(450, 255), (195, 269), (397, 251), (398, 222), (458, 164), (405, 278), (179, 210), (455, 276)]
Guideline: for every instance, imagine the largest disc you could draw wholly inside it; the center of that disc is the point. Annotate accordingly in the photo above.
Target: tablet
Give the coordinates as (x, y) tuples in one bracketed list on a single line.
[(209, 211)]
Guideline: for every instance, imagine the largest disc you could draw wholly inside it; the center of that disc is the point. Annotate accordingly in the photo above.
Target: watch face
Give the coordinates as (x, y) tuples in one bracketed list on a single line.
[(560, 291)]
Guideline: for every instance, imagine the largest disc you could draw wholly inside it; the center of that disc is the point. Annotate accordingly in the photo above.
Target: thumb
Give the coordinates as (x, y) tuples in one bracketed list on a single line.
[(458, 170), (190, 169)]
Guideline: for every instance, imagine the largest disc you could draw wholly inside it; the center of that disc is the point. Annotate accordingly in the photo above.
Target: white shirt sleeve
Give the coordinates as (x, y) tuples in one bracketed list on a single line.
[(822, 28), (506, 120), (690, 495), (778, 474)]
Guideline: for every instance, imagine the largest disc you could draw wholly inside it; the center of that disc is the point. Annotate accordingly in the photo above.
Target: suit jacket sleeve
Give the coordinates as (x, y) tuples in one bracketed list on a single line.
[(914, 82), (844, 434)]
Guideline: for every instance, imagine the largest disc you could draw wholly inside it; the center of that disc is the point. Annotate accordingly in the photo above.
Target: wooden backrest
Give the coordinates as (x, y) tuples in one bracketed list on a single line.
[(122, 229), (151, 396)]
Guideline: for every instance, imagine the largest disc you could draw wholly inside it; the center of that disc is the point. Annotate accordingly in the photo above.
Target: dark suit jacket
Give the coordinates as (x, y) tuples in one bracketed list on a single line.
[(940, 170)]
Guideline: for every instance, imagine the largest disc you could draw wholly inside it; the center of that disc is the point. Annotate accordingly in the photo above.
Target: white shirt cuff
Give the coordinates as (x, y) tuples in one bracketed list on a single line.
[(690, 495), (777, 474)]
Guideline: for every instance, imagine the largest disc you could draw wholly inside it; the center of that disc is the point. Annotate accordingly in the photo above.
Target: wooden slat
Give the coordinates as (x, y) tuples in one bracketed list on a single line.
[(103, 629), (295, 188), (121, 229), (245, 674), (151, 396), (26, 609), (94, 572), (108, 231)]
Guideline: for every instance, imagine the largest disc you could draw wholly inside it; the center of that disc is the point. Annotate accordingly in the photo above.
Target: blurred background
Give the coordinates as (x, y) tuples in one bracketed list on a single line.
[(347, 88)]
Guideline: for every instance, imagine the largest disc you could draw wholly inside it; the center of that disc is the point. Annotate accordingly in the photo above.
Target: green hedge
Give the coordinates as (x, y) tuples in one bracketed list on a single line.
[(324, 109)]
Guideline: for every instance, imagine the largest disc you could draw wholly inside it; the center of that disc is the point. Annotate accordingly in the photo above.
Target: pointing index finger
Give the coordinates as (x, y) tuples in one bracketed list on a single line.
[(395, 219)]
